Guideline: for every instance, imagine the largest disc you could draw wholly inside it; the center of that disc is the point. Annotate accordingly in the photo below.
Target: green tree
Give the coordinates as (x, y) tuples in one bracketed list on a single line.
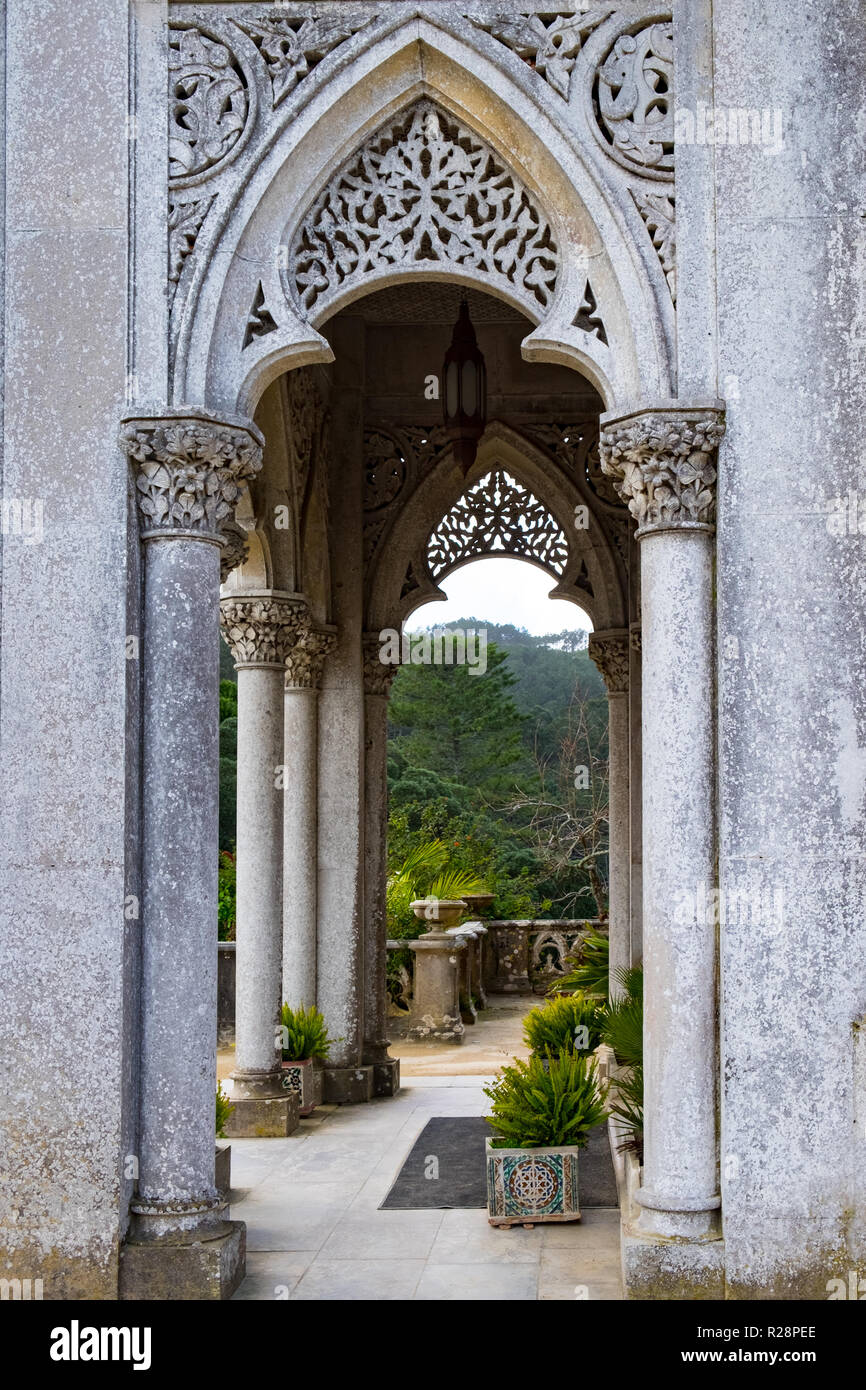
[(464, 727)]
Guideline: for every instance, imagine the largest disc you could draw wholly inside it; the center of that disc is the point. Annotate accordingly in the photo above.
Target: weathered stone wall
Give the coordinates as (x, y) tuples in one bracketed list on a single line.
[(68, 690), (791, 599)]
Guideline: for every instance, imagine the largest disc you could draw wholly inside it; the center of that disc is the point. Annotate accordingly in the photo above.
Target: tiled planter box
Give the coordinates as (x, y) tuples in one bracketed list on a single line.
[(306, 1079), (223, 1169), (525, 1186)]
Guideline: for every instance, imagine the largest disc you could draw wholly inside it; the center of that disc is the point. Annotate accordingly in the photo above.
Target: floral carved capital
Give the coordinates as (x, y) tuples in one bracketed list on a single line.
[(190, 470), (663, 464), (235, 551), (610, 652), (261, 629), (305, 660), (378, 674)]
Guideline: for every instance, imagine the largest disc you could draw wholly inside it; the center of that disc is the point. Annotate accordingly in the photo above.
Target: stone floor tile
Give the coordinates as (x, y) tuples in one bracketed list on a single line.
[(593, 1291), (390, 1235), (466, 1237), (596, 1230), (297, 1218), (272, 1274), (496, 1282), (576, 1269), (367, 1280)]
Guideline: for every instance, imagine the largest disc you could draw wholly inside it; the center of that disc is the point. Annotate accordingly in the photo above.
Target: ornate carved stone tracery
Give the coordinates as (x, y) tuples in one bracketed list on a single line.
[(548, 43), (658, 211), (209, 102), (292, 45), (396, 459), (190, 470), (424, 190), (497, 515), (663, 463), (635, 99)]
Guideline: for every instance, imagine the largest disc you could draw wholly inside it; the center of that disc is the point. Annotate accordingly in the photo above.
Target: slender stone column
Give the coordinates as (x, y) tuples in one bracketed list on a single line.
[(635, 770), (378, 678), (189, 469), (260, 629), (303, 675), (663, 462), (340, 941), (610, 652)]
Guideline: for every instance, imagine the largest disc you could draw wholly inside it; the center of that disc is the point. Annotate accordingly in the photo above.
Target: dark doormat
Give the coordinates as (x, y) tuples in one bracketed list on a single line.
[(446, 1168)]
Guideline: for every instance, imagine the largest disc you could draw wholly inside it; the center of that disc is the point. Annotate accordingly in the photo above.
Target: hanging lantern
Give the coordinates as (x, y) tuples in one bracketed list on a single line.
[(464, 395)]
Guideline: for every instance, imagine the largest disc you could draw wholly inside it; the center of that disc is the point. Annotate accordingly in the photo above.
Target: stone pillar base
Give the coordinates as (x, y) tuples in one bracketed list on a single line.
[(386, 1077), (672, 1269), (206, 1264), (268, 1117), (349, 1085)]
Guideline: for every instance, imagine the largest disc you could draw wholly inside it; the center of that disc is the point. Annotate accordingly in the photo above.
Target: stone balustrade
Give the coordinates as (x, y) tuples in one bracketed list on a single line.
[(500, 957)]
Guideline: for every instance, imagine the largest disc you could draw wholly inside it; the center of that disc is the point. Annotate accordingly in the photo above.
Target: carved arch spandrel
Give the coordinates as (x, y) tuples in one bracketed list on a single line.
[(594, 577), (594, 223)]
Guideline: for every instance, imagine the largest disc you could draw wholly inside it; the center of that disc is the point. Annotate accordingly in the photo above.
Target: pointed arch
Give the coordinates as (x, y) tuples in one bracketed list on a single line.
[(237, 328), (593, 574)]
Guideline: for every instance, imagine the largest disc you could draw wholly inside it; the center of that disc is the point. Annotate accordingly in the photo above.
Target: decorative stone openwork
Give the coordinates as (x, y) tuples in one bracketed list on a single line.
[(549, 44), (424, 190), (497, 516), (292, 45), (634, 92)]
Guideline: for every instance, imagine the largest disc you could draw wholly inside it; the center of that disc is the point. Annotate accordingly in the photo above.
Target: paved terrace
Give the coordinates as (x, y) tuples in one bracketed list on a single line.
[(311, 1201)]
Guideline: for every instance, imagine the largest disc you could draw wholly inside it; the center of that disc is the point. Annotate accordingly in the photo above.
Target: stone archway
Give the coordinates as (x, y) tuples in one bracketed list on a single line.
[(284, 223)]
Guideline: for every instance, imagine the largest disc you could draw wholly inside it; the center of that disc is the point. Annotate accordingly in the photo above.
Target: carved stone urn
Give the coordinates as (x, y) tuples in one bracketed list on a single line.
[(441, 913)]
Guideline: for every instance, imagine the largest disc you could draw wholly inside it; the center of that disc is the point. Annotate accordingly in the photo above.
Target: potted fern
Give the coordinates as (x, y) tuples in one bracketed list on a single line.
[(541, 1118), (305, 1046), (568, 1023)]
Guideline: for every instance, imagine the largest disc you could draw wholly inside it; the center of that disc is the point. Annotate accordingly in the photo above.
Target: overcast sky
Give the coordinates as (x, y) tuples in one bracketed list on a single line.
[(502, 590)]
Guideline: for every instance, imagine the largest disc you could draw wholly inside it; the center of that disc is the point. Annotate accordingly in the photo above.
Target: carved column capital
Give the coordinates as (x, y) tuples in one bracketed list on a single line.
[(191, 465), (261, 629), (306, 658), (378, 675), (663, 463), (610, 652), (235, 551)]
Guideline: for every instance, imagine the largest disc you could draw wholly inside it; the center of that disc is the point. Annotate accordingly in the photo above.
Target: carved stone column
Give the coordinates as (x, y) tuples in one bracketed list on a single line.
[(378, 678), (610, 652), (303, 676), (663, 462), (189, 470), (260, 629)]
